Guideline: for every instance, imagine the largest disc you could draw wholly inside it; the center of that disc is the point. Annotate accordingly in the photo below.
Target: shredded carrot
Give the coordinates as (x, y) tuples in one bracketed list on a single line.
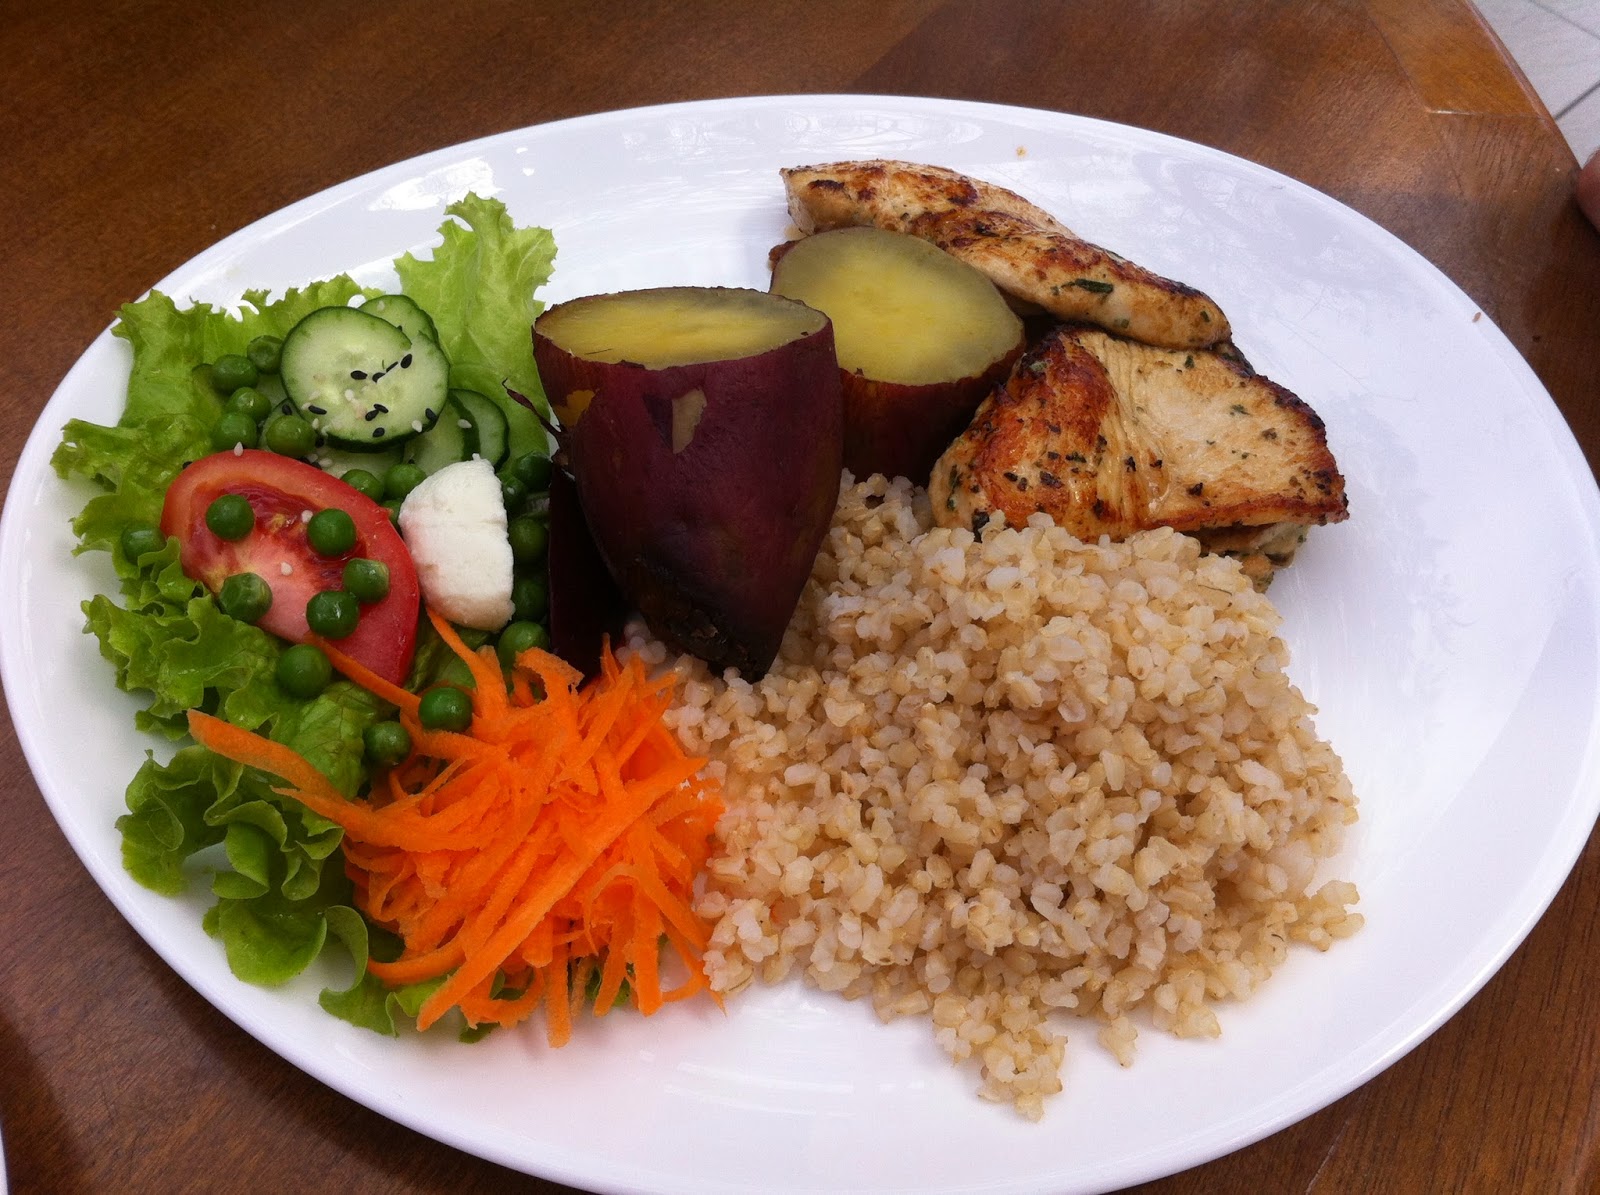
[(558, 838)]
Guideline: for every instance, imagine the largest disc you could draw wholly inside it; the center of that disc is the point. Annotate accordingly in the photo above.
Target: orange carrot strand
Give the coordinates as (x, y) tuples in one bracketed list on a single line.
[(402, 699)]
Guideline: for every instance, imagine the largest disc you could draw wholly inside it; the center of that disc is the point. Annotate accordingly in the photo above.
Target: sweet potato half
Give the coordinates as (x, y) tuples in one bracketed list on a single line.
[(921, 339), (704, 432)]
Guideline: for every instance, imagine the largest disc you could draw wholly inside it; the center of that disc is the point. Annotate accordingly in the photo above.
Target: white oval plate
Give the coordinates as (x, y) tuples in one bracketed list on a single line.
[(1448, 632)]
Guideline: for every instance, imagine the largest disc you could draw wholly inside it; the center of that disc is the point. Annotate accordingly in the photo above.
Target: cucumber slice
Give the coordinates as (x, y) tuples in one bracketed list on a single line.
[(403, 312), (339, 461), (360, 380), (453, 438), (489, 421)]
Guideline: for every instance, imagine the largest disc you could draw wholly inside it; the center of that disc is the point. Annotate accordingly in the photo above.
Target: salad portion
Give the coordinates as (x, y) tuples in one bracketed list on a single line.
[(329, 516)]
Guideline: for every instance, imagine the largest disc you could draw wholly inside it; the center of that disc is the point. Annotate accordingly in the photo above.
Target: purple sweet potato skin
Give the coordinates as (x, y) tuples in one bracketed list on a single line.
[(714, 542), (585, 604), (900, 430)]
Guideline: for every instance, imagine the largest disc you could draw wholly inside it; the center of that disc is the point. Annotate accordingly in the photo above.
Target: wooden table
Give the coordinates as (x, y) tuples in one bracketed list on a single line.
[(136, 135)]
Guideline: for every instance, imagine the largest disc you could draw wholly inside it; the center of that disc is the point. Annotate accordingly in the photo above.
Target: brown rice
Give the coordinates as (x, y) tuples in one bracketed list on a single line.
[(988, 781)]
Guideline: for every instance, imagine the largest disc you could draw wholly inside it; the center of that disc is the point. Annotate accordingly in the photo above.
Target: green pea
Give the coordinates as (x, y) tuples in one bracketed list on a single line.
[(399, 480), (249, 401), (290, 435), (386, 743), (445, 707), (368, 580), (232, 370), (139, 540), (333, 614), (532, 469), (518, 638), (514, 491), (331, 532), (366, 482), (530, 598), (265, 353), (230, 516), (304, 670), (529, 539), (245, 596), (235, 427)]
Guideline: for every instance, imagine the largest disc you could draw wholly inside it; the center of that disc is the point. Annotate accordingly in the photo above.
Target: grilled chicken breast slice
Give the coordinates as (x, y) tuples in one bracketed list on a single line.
[(1108, 437), (1025, 251)]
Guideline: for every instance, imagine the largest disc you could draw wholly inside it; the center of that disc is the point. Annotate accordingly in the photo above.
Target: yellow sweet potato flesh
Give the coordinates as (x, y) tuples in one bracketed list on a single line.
[(675, 326), (903, 310)]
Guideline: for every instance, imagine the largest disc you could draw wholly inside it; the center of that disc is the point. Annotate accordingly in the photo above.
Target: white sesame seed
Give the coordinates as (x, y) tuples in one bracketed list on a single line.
[(286, 568), (463, 424), (238, 448), (416, 425), (305, 516)]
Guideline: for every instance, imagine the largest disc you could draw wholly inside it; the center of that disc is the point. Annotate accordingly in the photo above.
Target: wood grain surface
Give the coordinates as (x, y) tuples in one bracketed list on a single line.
[(135, 135)]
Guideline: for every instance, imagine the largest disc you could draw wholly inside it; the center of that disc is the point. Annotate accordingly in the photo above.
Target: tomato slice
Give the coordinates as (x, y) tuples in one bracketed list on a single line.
[(284, 493)]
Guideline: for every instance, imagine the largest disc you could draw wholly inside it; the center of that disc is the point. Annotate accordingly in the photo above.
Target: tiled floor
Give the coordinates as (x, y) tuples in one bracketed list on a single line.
[(1557, 44)]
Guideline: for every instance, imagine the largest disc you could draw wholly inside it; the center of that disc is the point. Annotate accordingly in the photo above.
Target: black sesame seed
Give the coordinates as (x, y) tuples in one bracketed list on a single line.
[(377, 432), (405, 362), (359, 375), (316, 410), (371, 415), (378, 406)]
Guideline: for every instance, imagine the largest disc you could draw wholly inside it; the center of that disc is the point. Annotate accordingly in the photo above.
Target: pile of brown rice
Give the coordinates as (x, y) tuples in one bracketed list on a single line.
[(988, 781)]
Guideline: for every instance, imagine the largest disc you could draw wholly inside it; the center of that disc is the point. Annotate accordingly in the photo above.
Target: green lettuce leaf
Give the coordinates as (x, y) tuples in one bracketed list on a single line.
[(270, 938), (132, 466), (166, 819), (479, 288), (366, 1002)]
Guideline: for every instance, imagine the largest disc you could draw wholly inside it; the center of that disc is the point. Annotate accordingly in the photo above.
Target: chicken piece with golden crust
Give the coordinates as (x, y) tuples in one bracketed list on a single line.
[(1110, 437), (1024, 250)]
